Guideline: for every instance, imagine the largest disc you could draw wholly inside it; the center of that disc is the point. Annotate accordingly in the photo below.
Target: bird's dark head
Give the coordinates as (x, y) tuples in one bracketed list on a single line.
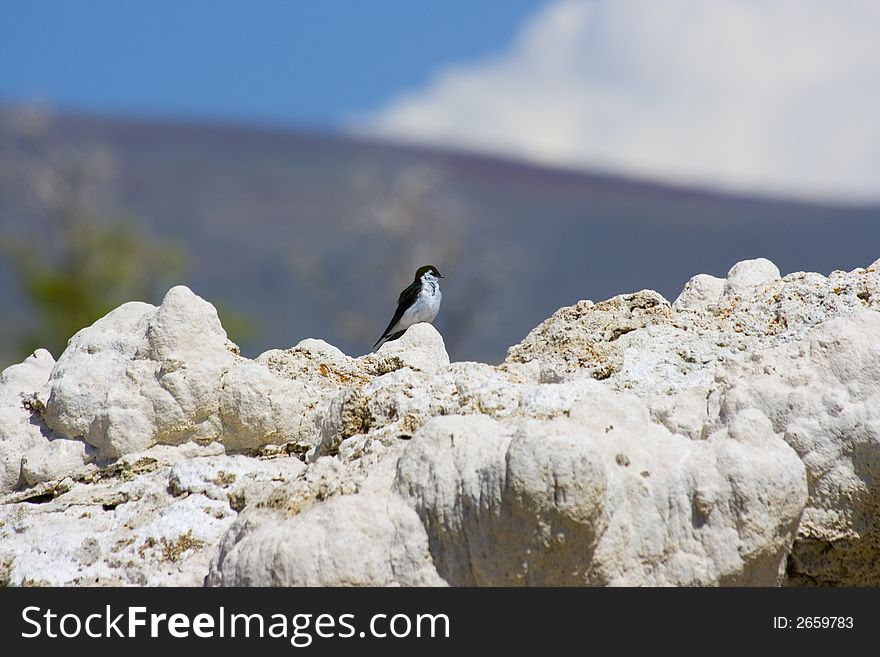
[(427, 269)]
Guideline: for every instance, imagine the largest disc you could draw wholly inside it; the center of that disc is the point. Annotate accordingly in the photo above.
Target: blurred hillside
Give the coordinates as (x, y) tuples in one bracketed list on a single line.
[(314, 236)]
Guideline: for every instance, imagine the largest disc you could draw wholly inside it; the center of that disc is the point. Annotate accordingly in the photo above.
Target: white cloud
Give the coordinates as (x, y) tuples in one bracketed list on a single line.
[(774, 96)]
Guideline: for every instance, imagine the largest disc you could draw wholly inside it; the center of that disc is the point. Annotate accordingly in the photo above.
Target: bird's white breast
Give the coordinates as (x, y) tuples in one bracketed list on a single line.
[(425, 308)]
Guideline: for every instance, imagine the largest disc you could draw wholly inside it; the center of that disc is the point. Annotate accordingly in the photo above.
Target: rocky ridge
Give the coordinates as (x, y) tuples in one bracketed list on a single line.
[(731, 437)]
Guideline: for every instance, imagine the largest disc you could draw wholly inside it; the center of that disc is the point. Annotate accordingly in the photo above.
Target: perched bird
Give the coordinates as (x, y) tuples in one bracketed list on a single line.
[(420, 302)]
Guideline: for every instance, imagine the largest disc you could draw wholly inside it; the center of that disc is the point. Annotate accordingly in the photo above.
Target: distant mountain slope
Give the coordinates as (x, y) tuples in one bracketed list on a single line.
[(314, 235)]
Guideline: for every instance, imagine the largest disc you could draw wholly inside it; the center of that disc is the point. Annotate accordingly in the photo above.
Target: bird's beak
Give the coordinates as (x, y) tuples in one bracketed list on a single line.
[(440, 276)]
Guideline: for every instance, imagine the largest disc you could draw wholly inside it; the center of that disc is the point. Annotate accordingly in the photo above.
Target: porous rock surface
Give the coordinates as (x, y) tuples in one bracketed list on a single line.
[(731, 437)]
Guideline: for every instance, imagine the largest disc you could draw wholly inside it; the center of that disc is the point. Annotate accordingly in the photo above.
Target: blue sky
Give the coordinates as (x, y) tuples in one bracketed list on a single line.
[(772, 96), (307, 62)]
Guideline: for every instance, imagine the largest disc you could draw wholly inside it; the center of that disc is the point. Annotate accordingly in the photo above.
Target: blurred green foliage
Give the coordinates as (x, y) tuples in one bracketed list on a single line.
[(239, 326), (88, 268), (95, 267), (75, 255)]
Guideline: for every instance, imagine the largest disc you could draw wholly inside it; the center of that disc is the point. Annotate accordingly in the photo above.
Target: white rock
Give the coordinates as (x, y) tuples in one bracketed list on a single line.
[(52, 460), (142, 376), (151, 519), (227, 478), (420, 348), (316, 364), (722, 440), (700, 293), (350, 540), (320, 350), (29, 376), (745, 276), (483, 389), (684, 411), (551, 400), (449, 474), (257, 407), (20, 429), (823, 394), (607, 497), (93, 367), (582, 340), (392, 405)]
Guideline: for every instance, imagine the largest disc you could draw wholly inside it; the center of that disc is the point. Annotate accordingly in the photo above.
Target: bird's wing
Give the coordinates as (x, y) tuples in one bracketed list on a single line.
[(408, 296), (404, 301)]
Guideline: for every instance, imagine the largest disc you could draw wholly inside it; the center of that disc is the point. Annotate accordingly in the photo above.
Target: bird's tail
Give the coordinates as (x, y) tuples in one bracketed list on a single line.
[(387, 338)]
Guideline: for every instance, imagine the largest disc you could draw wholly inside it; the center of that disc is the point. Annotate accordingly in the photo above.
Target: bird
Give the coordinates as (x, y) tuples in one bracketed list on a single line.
[(419, 302)]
